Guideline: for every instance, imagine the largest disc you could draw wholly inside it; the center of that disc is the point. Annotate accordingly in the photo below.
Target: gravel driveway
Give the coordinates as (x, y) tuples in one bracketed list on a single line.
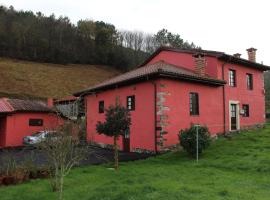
[(95, 155)]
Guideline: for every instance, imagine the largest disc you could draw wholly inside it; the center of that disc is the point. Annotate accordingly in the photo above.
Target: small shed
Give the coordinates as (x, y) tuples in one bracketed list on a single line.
[(19, 118)]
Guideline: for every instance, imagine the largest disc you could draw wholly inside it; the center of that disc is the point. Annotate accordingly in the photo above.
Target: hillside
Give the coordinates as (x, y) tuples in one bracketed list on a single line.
[(25, 79)]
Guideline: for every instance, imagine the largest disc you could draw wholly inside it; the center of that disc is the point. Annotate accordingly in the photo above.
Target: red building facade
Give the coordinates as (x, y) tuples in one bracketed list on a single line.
[(19, 118), (175, 88)]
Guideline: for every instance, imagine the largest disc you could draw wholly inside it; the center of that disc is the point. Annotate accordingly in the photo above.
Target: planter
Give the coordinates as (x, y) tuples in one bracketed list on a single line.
[(9, 180)]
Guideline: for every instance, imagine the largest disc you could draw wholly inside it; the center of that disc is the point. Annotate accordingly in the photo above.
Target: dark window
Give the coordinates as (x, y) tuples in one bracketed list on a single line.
[(232, 78), (249, 82), (101, 107), (131, 102), (35, 122), (246, 110), (194, 103)]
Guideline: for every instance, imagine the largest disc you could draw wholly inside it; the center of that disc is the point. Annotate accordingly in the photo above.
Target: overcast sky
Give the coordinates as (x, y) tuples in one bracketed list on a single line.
[(224, 25)]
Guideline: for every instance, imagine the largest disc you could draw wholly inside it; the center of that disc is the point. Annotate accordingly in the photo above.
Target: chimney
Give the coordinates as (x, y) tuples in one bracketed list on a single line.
[(252, 54), (200, 64), (50, 102), (237, 55)]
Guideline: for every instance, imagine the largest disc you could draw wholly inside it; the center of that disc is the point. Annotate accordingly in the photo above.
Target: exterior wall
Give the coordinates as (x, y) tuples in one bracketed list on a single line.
[(254, 98), (142, 128), (177, 114), (186, 60), (2, 131), (172, 100), (17, 126)]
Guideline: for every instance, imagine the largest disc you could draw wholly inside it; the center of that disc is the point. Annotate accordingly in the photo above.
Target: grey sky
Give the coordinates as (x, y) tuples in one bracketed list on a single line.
[(224, 25)]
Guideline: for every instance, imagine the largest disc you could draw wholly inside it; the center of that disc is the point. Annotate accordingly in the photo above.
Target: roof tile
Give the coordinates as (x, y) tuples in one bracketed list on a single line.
[(15, 105), (159, 67)]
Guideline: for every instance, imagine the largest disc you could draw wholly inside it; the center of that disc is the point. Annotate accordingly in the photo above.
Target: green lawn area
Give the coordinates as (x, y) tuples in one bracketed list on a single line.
[(238, 168)]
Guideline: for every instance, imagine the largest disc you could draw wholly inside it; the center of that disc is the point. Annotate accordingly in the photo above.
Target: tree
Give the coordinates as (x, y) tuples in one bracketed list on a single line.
[(117, 122), (166, 38), (37, 37), (63, 153)]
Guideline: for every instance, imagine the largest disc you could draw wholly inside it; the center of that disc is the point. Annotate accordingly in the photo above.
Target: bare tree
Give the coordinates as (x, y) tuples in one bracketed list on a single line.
[(63, 152)]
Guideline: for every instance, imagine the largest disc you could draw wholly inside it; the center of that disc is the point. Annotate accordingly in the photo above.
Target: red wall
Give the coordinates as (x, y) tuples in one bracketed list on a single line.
[(255, 98), (186, 60), (17, 126), (2, 131), (176, 103), (142, 128), (177, 100)]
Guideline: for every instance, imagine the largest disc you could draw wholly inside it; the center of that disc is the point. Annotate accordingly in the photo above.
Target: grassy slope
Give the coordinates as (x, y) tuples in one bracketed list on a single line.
[(29, 79), (230, 169)]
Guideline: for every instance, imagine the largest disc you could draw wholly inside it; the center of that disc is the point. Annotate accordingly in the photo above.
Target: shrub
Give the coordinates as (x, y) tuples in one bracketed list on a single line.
[(188, 139)]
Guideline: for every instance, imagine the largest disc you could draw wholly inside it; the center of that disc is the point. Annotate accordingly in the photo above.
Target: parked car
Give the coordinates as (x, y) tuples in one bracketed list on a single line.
[(37, 137)]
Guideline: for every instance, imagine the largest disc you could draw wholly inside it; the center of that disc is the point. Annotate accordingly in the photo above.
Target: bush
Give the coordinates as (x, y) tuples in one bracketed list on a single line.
[(188, 139)]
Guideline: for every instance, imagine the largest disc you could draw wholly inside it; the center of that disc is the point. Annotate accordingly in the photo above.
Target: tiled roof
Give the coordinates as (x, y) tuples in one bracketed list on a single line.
[(18, 105), (218, 54), (160, 69), (5, 106)]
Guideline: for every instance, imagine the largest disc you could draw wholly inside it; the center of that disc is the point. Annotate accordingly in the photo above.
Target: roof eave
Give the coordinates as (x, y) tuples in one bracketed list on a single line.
[(154, 76), (245, 62)]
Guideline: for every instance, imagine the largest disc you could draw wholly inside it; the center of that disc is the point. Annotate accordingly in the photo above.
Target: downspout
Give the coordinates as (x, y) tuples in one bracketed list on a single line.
[(224, 97), (224, 100)]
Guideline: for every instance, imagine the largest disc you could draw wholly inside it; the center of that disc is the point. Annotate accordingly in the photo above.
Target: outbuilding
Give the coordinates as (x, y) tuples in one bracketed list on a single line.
[(19, 118)]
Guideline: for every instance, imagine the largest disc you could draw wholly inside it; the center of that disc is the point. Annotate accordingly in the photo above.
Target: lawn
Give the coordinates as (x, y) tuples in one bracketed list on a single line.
[(235, 168)]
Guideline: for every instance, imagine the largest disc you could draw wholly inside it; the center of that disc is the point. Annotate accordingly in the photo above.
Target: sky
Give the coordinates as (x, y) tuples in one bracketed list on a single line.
[(229, 26)]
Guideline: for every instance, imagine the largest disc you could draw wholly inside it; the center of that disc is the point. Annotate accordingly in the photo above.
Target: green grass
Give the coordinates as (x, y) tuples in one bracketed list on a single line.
[(238, 168)]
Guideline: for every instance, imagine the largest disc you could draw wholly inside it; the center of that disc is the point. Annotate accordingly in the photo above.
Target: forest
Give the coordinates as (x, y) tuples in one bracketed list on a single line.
[(36, 37)]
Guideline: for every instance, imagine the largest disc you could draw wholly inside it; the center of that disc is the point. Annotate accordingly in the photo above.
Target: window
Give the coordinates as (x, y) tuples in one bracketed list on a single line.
[(35, 122), (194, 103), (232, 78), (101, 107), (246, 110), (249, 82), (131, 102)]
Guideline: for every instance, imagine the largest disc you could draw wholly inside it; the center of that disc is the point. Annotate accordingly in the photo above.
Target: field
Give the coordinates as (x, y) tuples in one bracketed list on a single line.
[(234, 168), (24, 79)]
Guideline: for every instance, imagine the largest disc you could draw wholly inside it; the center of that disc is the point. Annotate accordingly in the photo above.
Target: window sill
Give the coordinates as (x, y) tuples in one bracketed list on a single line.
[(194, 115)]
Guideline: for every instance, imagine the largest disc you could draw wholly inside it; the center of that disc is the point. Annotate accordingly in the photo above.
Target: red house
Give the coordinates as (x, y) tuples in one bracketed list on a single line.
[(19, 118), (175, 88)]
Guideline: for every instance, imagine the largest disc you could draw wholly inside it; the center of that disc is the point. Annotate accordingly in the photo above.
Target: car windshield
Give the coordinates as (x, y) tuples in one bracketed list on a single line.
[(37, 134)]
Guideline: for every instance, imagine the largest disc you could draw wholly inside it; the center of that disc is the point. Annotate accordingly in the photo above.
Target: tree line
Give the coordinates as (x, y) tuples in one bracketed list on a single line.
[(36, 37)]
